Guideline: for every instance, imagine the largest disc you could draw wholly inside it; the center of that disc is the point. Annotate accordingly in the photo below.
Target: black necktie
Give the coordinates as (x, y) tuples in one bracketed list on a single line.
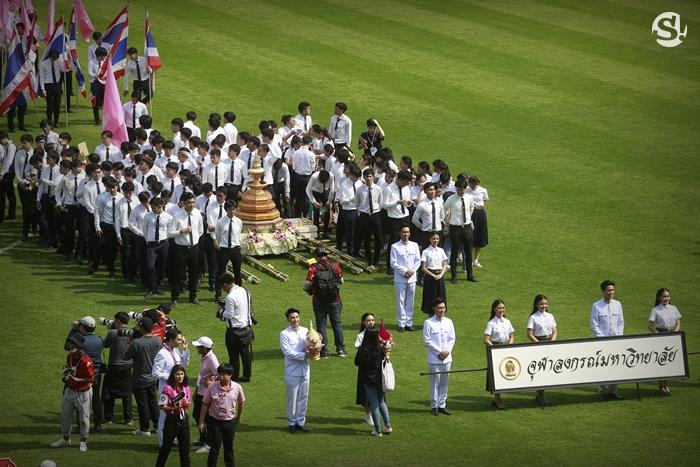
[(306, 128), (433, 205), (206, 205), (26, 161), (403, 208), (53, 72), (114, 210), (158, 227), (233, 171), (143, 179), (75, 189), (133, 117), (354, 188), (50, 173), (369, 196), (97, 184), (189, 224), (128, 208), (464, 212), (138, 70), (172, 186), (216, 176), (220, 208), (230, 229), (250, 159), (107, 153)]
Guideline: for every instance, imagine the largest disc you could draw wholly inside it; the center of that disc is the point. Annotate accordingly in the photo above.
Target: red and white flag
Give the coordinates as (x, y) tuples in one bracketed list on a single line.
[(113, 114)]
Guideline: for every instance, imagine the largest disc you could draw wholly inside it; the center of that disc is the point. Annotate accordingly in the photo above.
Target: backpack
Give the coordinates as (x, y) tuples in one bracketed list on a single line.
[(326, 283)]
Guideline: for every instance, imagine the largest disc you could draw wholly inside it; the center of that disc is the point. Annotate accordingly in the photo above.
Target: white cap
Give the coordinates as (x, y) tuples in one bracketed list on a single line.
[(203, 341), (88, 321), (47, 463)]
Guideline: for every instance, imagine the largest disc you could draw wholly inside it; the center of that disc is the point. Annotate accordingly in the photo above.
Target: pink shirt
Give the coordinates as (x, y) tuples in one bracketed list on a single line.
[(169, 393), (222, 402), (207, 372)]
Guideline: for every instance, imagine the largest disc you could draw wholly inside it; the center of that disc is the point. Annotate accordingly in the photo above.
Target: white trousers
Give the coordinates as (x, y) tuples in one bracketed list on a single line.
[(405, 293), (80, 401), (297, 399), (438, 385)]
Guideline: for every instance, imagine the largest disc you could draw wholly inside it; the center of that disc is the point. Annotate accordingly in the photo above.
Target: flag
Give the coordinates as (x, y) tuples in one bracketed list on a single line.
[(57, 41), (86, 27), (113, 114), (14, 4), (30, 7), (50, 20), (116, 36), (6, 20), (24, 18), (72, 39), (18, 79), (149, 48)]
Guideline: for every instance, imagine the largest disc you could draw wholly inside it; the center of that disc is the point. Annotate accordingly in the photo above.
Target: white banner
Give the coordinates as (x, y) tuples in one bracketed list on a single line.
[(585, 362)]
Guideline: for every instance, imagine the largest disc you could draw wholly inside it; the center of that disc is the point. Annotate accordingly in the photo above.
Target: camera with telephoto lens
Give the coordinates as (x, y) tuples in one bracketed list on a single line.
[(178, 398), (107, 322), (67, 373), (170, 324), (137, 315), (124, 332)]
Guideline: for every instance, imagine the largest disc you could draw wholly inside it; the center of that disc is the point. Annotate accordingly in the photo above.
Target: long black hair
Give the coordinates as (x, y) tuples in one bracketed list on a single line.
[(362, 320), (495, 304), (171, 378), (371, 348)]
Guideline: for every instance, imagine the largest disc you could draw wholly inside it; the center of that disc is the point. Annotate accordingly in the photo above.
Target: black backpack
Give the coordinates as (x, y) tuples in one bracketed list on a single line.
[(326, 283)]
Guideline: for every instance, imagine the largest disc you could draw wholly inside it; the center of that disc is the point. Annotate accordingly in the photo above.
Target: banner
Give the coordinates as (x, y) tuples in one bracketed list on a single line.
[(588, 362)]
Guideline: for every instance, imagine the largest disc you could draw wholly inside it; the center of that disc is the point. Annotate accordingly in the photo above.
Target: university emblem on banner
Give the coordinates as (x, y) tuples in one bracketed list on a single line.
[(509, 368)]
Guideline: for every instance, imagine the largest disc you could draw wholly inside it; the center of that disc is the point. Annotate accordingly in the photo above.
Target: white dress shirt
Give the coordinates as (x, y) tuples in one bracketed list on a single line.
[(665, 316), (50, 178), (184, 219), (315, 185), (148, 226), (103, 209), (459, 214), (607, 318), (346, 194), (215, 212), (23, 168), (213, 134), (341, 129), (228, 228), (231, 133), (404, 257), (499, 329), (303, 123), (392, 195), (542, 324), (362, 199), (165, 360), (480, 196), (134, 73), (46, 76), (423, 217), (70, 183), (8, 159), (303, 161), (237, 308), (89, 192), (433, 257), (124, 209), (132, 113), (194, 128), (293, 345), (216, 176), (136, 219), (439, 335), (115, 154)]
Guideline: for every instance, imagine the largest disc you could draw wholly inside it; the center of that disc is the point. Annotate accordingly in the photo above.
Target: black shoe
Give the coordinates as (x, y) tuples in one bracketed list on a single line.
[(211, 288), (444, 411), (291, 429), (409, 328), (401, 329), (195, 301), (453, 280), (472, 279), (244, 379), (91, 271), (23, 128), (616, 396), (301, 428), (78, 259), (434, 411), (158, 292), (97, 429)]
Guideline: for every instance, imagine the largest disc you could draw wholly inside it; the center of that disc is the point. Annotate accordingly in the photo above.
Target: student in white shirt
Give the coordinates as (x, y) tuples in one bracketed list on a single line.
[(347, 209), (186, 228), (49, 178), (369, 200), (541, 326), (320, 191), (405, 259), (227, 242), (133, 110), (138, 70), (106, 223), (341, 126), (664, 317), (302, 162), (69, 205), (459, 208), (215, 129), (135, 226), (191, 116), (479, 195), (397, 199), (297, 372), (125, 237), (230, 129), (499, 331), (303, 119), (434, 266), (155, 230), (607, 319), (216, 210), (106, 150), (281, 179), (216, 173)]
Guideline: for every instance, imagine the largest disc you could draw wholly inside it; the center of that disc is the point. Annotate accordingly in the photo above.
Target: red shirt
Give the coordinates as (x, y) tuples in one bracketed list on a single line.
[(82, 367), (312, 273), (159, 328)]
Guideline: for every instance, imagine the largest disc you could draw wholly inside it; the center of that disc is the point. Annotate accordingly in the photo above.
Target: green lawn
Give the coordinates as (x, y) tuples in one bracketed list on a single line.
[(585, 132)]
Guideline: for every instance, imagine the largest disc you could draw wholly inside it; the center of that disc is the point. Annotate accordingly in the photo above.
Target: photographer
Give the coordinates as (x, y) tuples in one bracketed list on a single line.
[(78, 377), (142, 351), (93, 347), (117, 381), (239, 331)]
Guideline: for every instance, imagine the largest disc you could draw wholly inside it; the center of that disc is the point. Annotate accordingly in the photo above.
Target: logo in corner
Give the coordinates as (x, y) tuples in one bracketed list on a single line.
[(667, 29), (509, 368)]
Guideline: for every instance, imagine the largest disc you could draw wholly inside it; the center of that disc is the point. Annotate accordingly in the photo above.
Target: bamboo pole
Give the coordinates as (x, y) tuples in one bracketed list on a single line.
[(266, 268)]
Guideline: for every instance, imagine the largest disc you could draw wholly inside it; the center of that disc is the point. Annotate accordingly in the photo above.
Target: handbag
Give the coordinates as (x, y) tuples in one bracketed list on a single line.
[(388, 379)]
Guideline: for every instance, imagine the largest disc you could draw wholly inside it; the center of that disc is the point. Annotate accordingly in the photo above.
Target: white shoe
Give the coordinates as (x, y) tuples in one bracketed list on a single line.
[(61, 443), (387, 430), (83, 446), (368, 420), (203, 450), (477, 264), (141, 433), (376, 434)]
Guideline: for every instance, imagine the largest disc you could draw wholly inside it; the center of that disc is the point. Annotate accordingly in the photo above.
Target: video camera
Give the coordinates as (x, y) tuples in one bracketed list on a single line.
[(67, 373)]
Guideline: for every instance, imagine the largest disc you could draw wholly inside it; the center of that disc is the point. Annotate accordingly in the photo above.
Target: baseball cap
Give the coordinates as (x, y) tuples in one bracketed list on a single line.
[(88, 321), (203, 341), (320, 252)]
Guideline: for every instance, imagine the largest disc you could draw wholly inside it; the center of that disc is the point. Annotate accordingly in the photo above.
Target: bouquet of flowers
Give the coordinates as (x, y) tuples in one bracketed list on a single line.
[(386, 338)]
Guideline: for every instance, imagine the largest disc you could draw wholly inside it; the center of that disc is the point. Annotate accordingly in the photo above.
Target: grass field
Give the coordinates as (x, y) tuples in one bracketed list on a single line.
[(585, 132)]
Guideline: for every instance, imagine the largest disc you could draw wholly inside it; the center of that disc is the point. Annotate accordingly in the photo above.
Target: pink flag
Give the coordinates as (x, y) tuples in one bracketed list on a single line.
[(5, 20), (86, 27), (14, 4), (24, 17), (113, 114), (30, 7), (50, 19)]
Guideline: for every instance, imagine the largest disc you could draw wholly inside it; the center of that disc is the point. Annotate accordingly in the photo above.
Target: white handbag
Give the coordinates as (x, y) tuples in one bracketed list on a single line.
[(388, 379)]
